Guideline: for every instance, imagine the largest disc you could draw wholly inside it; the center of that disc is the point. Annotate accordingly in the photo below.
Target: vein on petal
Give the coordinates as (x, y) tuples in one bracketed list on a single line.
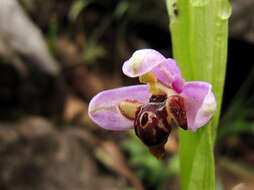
[(111, 108)]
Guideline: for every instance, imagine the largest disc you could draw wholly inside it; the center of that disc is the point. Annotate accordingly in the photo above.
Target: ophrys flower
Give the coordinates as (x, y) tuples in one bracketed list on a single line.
[(153, 108)]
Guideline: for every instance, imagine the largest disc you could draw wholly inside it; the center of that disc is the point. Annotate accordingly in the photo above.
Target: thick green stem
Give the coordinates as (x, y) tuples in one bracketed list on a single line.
[(199, 31)]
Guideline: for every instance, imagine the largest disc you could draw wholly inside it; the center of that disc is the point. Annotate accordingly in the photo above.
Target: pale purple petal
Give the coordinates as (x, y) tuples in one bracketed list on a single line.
[(178, 84), (200, 103), (169, 74), (141, 62), (207, 110), (103, 108)]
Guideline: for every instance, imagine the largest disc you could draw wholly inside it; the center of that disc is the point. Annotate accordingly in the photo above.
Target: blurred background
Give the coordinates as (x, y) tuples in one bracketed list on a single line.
[(56, 55)]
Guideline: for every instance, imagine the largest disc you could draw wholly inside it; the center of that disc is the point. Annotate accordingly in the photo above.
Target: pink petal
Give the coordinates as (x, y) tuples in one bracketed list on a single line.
[(169, 74), (141, 62), (200, 103), (178, 84), (103, 108)]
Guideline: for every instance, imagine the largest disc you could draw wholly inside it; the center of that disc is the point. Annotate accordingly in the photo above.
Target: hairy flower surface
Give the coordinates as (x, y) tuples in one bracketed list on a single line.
[(152, 108)]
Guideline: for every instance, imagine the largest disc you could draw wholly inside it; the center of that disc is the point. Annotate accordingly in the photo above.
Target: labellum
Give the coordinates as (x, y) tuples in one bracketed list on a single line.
[(154, 120), (152, 125)]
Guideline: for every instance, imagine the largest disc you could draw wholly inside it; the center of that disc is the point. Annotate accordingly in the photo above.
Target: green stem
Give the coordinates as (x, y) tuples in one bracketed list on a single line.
[(199, 31)]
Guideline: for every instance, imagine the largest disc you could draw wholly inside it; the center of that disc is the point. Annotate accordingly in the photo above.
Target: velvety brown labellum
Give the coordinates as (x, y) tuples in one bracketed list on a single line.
[(152, 127)]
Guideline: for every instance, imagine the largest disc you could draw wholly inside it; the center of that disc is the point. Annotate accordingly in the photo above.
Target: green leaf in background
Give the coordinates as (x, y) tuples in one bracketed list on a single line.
[(235, 119), (77, 8), (52, 37), (199, 30)]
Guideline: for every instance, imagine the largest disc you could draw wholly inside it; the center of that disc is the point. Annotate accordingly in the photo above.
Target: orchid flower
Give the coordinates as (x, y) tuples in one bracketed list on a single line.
[(153, 108)]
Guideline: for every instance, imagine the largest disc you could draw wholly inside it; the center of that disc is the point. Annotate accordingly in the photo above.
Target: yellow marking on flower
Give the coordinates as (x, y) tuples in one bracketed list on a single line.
[(129, 108), (210, 109), (112, 108), (153, 89), (157, 88), (135, 61), (148, 78)]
